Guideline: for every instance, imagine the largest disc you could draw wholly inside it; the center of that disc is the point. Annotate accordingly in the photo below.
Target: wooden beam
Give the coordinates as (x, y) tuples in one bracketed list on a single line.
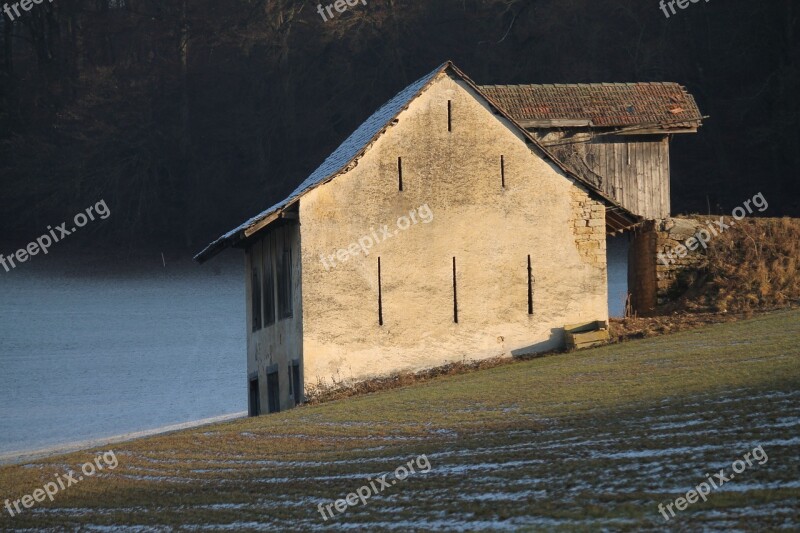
[(285, 215), (258, 226), (659, 131), (556, 123)]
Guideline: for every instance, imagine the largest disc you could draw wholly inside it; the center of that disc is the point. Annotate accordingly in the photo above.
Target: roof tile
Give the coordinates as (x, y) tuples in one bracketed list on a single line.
[(605, 104)]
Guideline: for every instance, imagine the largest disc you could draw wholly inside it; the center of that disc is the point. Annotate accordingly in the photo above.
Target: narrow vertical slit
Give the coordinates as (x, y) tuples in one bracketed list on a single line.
[(400, 172), (455, 294), (530, 287), (449, 115), (380, 295), (503, 171)]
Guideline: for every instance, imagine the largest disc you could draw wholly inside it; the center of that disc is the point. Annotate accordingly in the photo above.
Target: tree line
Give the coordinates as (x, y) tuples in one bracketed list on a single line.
[(188, 116)]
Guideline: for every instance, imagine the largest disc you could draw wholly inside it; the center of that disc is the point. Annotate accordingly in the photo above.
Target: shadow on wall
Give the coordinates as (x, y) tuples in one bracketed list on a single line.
[(555, 342)]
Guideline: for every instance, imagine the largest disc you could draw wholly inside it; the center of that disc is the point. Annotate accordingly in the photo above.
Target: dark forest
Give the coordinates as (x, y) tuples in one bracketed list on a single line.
[(189, 116)]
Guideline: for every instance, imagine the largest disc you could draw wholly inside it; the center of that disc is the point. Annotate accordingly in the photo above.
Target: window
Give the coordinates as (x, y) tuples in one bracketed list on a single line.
[(285, 284), (273, 392), (254, 404), (256, 291), (269, 285), (296, 385)]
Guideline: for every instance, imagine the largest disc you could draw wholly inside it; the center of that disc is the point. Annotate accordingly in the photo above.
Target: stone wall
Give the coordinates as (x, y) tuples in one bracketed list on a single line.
[(683, 268), (589, 226)]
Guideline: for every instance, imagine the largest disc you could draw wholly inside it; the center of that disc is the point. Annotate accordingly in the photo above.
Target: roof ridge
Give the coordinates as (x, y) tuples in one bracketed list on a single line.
[(355, 145), (590, 84)]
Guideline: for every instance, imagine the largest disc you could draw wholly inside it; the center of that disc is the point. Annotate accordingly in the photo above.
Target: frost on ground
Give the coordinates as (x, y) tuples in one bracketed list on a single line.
[(585, 472), (589, 441)]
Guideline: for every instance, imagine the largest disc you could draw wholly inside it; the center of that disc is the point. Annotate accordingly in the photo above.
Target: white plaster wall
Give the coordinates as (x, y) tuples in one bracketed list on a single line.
[(489, 229)]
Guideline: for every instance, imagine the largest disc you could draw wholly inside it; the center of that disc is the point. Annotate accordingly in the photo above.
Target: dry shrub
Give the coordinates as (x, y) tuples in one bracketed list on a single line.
[(752, 266)]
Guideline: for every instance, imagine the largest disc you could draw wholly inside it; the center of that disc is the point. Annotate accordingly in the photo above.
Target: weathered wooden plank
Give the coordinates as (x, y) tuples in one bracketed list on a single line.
[(635, 171), (587, 339), (642, 185), (665, 171), (657, 131), (583, 327), (555, 123), (621, 170)]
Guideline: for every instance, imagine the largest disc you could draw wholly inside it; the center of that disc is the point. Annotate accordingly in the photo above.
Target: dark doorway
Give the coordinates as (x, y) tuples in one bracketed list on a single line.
[(617, 260), (254, 403), (296, 385), (273, 393)]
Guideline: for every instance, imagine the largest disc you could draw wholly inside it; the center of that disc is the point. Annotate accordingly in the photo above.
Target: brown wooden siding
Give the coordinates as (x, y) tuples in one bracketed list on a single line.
[(633, 170)]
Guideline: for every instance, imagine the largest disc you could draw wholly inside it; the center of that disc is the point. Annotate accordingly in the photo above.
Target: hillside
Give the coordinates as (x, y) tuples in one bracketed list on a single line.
[(585, 440)]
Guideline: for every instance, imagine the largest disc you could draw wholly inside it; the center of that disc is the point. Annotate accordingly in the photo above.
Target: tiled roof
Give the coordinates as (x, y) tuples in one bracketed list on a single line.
[(668, 105)]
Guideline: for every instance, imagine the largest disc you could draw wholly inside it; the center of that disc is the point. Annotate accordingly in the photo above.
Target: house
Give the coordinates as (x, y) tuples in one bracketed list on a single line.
[(441, 229)]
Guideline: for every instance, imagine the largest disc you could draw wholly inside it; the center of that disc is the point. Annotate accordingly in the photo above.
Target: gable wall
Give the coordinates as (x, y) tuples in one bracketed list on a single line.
[(489, 229)]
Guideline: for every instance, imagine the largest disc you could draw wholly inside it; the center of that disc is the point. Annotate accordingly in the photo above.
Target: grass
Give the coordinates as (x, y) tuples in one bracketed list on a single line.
[(580, 441)]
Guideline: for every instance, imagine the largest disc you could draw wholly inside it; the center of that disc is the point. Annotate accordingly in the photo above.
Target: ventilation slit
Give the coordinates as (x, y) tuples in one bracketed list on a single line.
[(455, 294), (449, 115), (380, 295), (530, 287), (400, 172)]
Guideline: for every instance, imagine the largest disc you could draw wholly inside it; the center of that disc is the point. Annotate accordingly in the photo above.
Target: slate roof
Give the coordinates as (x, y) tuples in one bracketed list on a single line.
[(361, 139), (606, 104)]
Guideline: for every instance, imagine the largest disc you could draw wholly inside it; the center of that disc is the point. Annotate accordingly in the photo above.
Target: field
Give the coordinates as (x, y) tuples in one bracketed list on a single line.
[(586, 441)]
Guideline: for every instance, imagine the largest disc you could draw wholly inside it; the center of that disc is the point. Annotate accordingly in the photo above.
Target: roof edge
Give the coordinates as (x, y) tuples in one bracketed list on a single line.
[(240, 233)]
